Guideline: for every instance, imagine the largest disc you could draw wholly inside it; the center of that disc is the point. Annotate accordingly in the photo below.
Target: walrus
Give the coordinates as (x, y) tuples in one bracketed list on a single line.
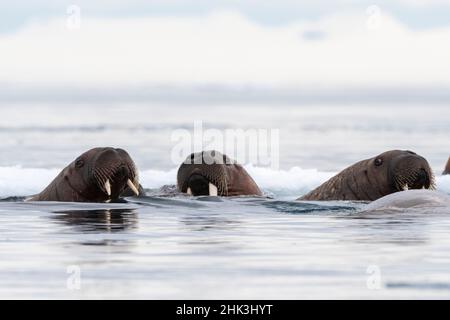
[(98, 175), (215, 174), (371, 179), (447, 167)]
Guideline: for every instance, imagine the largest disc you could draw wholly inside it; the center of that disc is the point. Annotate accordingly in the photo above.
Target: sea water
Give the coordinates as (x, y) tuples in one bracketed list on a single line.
[(180, 247)]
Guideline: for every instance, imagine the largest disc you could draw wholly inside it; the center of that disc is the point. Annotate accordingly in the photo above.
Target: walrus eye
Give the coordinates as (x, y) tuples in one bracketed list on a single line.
[(378, 162), (79, 163)]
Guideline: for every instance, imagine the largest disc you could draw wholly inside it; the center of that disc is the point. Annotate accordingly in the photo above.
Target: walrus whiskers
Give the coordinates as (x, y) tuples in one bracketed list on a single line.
[(403, 182)]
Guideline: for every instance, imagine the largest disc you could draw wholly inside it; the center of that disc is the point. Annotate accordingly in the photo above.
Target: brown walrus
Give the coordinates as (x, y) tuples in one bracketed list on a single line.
[(447, 167), (98, 175), (213, 173), (374, 178)]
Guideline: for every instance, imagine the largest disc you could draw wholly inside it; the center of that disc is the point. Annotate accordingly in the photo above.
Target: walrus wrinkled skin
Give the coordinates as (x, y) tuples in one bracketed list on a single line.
[(447, 167), (371, 179), (98, 175), (213, 173)]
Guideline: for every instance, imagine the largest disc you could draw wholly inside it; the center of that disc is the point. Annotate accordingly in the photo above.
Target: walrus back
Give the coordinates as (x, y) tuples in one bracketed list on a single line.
[(342, 186), (50, 193), (327, 191)]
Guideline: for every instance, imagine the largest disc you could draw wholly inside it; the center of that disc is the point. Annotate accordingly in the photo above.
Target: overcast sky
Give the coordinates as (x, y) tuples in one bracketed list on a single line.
[(262, 44)]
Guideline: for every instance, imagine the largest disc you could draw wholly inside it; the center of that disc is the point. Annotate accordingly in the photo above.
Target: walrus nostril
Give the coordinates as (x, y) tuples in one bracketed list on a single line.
[(199, 185)]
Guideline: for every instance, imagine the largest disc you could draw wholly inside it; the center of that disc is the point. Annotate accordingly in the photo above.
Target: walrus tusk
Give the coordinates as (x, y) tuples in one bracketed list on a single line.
[(108, 187), (406, 187), (189, 191), (132, 187), (212, 190)]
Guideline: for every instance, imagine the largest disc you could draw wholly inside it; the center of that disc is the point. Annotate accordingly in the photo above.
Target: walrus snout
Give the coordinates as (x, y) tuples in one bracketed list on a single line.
[(213, 173), (198, 185), (411, 171), (423, 179), (114, 171)]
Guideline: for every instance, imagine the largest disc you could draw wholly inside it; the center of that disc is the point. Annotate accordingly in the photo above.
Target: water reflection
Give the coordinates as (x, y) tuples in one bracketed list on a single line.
[(393, 228), (211, 233), (161, 202), (207, 223), (298, 207), (104, 220)]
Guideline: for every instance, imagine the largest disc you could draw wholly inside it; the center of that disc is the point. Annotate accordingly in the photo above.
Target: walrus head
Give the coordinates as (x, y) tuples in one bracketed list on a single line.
[(102, 174), (215, 174), (98, 175), (403, 170)]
